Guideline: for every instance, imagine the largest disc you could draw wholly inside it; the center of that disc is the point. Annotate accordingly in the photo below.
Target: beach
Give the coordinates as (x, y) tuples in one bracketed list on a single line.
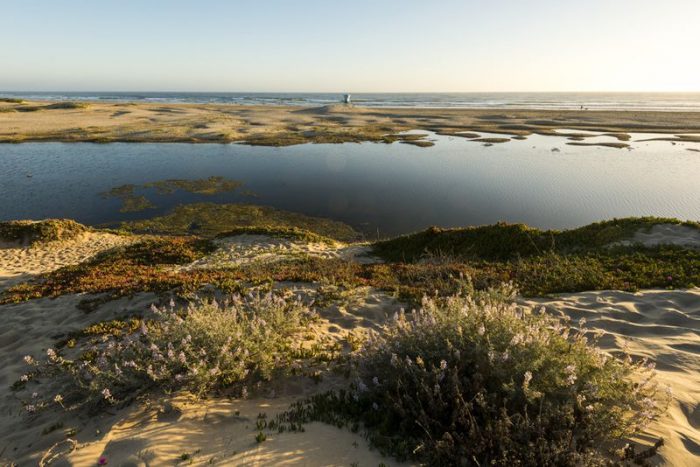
[(281, 126), (81, 288)]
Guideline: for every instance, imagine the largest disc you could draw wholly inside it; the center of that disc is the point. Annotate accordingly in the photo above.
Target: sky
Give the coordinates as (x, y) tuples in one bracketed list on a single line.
[(353, 46)]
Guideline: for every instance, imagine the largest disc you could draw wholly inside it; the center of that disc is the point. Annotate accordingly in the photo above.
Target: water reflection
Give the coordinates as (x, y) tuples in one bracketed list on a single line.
[(394, 188)]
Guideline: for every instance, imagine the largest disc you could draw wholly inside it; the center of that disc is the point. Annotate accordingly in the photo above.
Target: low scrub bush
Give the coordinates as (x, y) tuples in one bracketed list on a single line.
[(48, 230), (206, 347), (501, 241), (475, 380)]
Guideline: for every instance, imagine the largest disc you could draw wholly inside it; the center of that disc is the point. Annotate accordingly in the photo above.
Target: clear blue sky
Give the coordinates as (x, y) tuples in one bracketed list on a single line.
[(359, 45)]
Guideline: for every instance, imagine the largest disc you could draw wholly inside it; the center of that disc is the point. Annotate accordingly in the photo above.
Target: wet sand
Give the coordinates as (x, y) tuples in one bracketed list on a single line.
[(286, 125)]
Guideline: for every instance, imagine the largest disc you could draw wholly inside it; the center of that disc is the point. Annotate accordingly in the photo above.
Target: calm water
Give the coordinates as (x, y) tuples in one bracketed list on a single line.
[(394, 188), (537, 100)]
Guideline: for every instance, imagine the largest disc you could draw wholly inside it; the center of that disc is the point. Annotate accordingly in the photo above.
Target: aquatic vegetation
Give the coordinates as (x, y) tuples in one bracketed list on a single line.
[(29, 232), (206, 346), (209, 219), (491, 140), (420, 144), (606, 144), (461, 134), (131, 202), (677, 138), (473, 378), (11, 100), (619, 136), (204, 186), (335, 134), (136, 204)]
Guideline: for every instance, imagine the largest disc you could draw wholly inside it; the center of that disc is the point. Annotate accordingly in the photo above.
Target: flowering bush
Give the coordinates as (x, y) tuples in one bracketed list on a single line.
[(476, 380), (205, 347)]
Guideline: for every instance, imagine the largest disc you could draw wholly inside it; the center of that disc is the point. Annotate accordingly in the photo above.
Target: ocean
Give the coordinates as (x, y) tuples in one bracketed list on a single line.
[(498, 100)]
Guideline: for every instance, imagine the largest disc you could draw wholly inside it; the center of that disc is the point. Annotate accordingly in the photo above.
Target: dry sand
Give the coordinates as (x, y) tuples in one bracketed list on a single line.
[(666, 234), (20, 262), (665, 327), (246, 249), (279, 125), (662, 325)]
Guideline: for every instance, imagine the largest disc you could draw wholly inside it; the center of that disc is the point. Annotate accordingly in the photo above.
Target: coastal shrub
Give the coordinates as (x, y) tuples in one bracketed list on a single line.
[(474, 379), (48, 230), (504, 241), (141, 267), (207, 346), (147, 267)]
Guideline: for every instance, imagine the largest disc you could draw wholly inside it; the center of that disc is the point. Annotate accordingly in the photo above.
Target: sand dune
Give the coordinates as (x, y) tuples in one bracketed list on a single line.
[(216, 431), (663, 325), (667, 234), (246, 249), (19, 262)]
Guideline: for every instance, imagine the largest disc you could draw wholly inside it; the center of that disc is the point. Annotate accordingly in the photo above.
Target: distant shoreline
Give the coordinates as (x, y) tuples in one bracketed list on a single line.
[(275, 125), (636, 101)]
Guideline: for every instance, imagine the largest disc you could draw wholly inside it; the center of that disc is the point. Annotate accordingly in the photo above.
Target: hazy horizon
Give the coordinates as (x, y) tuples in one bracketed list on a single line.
[(362, 46), (338, 91)]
